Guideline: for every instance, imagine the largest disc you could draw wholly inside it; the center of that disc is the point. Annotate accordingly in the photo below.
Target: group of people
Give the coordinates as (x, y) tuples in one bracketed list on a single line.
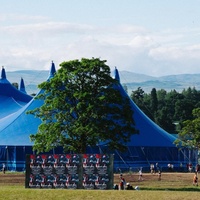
[(156, 169), (122, 184), (153, 169), (127, 186)]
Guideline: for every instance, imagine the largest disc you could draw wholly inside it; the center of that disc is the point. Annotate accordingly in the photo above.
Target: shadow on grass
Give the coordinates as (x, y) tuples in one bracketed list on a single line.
[(189, 189)]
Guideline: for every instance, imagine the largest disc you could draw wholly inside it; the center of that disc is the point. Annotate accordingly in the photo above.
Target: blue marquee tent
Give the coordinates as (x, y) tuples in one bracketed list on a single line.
[(15, 124), (151, 145), (11, 99)]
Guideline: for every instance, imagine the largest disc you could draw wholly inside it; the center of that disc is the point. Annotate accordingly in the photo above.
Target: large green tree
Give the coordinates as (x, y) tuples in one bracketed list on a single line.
[(82, 107), (190, 132)]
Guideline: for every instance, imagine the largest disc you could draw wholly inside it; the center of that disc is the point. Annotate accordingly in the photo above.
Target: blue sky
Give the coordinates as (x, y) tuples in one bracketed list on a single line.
[(152, 37)]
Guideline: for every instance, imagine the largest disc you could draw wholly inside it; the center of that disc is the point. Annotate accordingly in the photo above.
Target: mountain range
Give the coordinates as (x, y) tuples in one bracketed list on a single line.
[(132, 80)]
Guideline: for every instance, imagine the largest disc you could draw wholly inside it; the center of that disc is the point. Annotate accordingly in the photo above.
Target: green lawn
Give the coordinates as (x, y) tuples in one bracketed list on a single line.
[(173, 186), (20, 193)]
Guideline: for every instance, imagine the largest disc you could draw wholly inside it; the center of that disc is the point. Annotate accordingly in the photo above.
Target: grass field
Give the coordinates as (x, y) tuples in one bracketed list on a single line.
[(173, 186)]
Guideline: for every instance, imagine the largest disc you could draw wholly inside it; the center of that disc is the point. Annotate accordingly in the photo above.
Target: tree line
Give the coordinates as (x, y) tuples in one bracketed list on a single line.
[(168, 109)]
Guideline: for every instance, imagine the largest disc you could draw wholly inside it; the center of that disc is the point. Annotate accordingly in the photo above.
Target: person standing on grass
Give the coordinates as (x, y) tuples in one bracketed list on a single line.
[(157, 168), (140, 175), (152, 169), (4, 168), (197, 168), (159, 175), (195, 179), (122, 183)]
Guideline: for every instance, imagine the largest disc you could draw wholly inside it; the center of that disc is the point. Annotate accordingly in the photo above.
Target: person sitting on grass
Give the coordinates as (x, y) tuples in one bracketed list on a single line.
[(129, 187)]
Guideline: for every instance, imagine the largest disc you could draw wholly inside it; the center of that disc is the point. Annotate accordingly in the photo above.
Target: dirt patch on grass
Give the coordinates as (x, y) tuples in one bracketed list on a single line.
[(12, 179), (168, 180)]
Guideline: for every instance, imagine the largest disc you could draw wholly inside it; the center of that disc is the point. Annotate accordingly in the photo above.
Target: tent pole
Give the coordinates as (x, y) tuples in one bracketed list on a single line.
[(7, 157), (24, 148), (142, 148), (122, 159)]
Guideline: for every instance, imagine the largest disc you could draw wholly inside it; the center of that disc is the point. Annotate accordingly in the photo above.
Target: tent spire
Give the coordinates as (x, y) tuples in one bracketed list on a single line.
[(3, 73), (22, 86), (52, 70), (117, 75)]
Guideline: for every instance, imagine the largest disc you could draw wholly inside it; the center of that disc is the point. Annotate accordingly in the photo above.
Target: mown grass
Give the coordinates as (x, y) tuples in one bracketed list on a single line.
[(19, 193), (173, 186)]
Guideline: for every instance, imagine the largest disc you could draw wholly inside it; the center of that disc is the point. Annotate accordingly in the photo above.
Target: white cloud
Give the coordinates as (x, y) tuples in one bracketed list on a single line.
[(48, 28), (34, 43), (19, 18), (176, 53)]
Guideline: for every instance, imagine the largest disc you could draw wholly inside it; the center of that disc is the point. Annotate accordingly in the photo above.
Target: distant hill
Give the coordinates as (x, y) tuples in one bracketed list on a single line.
[(132, 80), (168, 83)]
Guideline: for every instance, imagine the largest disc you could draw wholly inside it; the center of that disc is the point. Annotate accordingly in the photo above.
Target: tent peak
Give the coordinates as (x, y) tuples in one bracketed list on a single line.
[(117, 75), (22, 86), (52, 70), (3, 73)]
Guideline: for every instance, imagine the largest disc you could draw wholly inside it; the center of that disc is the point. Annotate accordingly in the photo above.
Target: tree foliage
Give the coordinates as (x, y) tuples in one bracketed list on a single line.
[(82, 108), (16, 85), (190, 133), (168, 109)]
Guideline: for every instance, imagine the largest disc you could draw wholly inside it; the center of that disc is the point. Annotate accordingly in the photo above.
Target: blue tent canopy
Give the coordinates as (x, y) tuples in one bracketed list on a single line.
[(16, 127), (7, 89), (11, 99), (150, 134), (152, 144)]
